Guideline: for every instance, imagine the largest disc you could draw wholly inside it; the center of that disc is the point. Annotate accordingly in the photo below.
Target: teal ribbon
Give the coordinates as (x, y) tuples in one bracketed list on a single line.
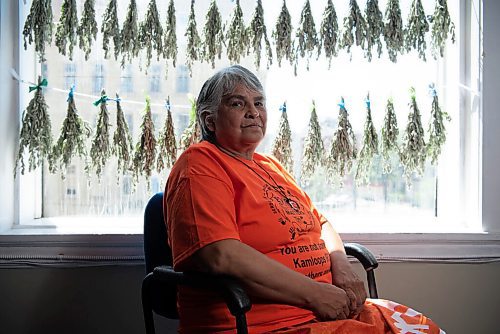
[(167, 104), (43, 83), (103, 99), (283, 107), (341, 104), (432, 90), (367, 101), (70, 94)]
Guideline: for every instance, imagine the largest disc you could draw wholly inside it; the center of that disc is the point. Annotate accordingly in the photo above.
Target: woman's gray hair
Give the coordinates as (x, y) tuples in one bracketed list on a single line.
[(215, 88)]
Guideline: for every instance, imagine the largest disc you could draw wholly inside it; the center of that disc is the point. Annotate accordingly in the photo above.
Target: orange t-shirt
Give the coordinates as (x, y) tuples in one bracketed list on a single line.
[(212, 196)]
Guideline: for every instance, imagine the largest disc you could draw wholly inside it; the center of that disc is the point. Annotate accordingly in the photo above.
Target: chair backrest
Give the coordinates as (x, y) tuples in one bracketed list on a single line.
[(157, 252)]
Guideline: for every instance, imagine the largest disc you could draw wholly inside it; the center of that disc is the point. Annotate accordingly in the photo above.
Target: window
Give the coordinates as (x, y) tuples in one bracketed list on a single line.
[(98, 79), (439, 193), (182, 81), (154, 79), (69, 74), (127, 85)]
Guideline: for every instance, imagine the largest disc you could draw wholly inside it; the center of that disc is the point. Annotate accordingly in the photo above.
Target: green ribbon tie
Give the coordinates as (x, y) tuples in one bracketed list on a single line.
[(43, 83), (103, 99)]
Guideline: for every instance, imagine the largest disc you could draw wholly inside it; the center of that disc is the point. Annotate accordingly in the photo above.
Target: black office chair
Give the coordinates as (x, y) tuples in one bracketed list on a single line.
[(159, 287)]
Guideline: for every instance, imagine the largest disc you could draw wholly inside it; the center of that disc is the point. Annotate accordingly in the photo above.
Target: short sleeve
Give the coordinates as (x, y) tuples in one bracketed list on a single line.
[(200, 211)]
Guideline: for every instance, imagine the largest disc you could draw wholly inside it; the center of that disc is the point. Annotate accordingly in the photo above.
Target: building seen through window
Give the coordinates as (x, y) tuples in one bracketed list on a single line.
[(350, 76)]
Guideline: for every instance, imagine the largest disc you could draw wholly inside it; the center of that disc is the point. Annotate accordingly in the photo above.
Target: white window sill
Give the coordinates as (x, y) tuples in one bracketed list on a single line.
[(103, 241)]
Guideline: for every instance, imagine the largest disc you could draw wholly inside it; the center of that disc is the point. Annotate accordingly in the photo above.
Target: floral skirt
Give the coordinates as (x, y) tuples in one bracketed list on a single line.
[(379, 316)]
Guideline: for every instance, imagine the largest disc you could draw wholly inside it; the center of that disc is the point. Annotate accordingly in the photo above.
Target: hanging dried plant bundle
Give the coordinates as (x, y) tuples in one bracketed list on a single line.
[(193, 40), (416, 29), (282, 145), (167, 147), (170, 42), (393, 30), (374, 28), (145, 148), (36, 131), (256, 31), (306, 34), (437, 130), (213, 35), (87, 30), (282, 35), (150, 33), (38, 26), (441, 27), (314, 148), (390, 133), (100, 151), (369, 148), (71, 142), (354, 30), (329, 32), (343, 151), (129, 35), (237, 36), (413, 151), (122, 140), (192, 133), (66, 28), (110, 29)]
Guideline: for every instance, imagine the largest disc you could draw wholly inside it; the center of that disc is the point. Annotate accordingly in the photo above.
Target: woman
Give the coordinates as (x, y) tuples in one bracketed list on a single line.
[(233, 211)]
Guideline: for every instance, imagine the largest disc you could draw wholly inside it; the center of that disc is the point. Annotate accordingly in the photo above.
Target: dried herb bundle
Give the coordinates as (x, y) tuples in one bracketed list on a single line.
[(36, 131), (354, 28), (282, 35), (193, 40), (192, 133), (393, 30), (122, 140), (38, 26), (343, 151), (256, 31), (100, 151), (170, 42), (167, 147), (374, 28), (130, 35), (369, 148), (413, 151), (441, 27), (66, 28), (437, 130), (150, 33), (110, 29), (237, 36), (329, 32), (145, 148), (314, 148), (416, 29), (282, 145), (306, 34), (71, 142), (87, 30), (390, 133), (213, 35)]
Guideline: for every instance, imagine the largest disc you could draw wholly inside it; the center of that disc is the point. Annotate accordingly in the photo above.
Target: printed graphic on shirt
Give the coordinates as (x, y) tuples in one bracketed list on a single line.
[(290, 211)]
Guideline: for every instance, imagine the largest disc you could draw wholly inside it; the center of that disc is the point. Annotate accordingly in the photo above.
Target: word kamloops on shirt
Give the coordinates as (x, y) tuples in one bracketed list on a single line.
[(312, 261)]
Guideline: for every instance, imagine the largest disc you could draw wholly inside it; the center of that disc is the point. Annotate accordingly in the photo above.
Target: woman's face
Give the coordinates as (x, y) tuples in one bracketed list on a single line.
[(240, 123)]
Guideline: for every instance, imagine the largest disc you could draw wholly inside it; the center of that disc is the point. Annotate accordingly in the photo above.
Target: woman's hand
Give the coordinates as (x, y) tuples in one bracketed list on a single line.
[(345, 278), (330, 303)]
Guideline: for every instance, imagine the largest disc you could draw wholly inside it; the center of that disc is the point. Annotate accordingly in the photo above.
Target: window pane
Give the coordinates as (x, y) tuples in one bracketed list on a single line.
[(351, 76)]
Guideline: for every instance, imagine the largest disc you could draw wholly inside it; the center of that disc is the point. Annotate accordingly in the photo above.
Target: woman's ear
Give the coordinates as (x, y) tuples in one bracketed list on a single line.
[(210, 121)]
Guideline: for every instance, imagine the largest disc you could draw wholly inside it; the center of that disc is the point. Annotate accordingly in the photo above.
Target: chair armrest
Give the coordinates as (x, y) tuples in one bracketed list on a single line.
[(231, 290), (362, 254)]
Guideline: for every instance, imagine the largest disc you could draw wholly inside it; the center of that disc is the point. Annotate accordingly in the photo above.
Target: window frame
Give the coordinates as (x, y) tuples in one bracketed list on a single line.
[(44, 243)]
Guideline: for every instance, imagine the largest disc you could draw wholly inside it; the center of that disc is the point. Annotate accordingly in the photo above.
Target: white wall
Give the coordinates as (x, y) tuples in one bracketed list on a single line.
[(8, 109)]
